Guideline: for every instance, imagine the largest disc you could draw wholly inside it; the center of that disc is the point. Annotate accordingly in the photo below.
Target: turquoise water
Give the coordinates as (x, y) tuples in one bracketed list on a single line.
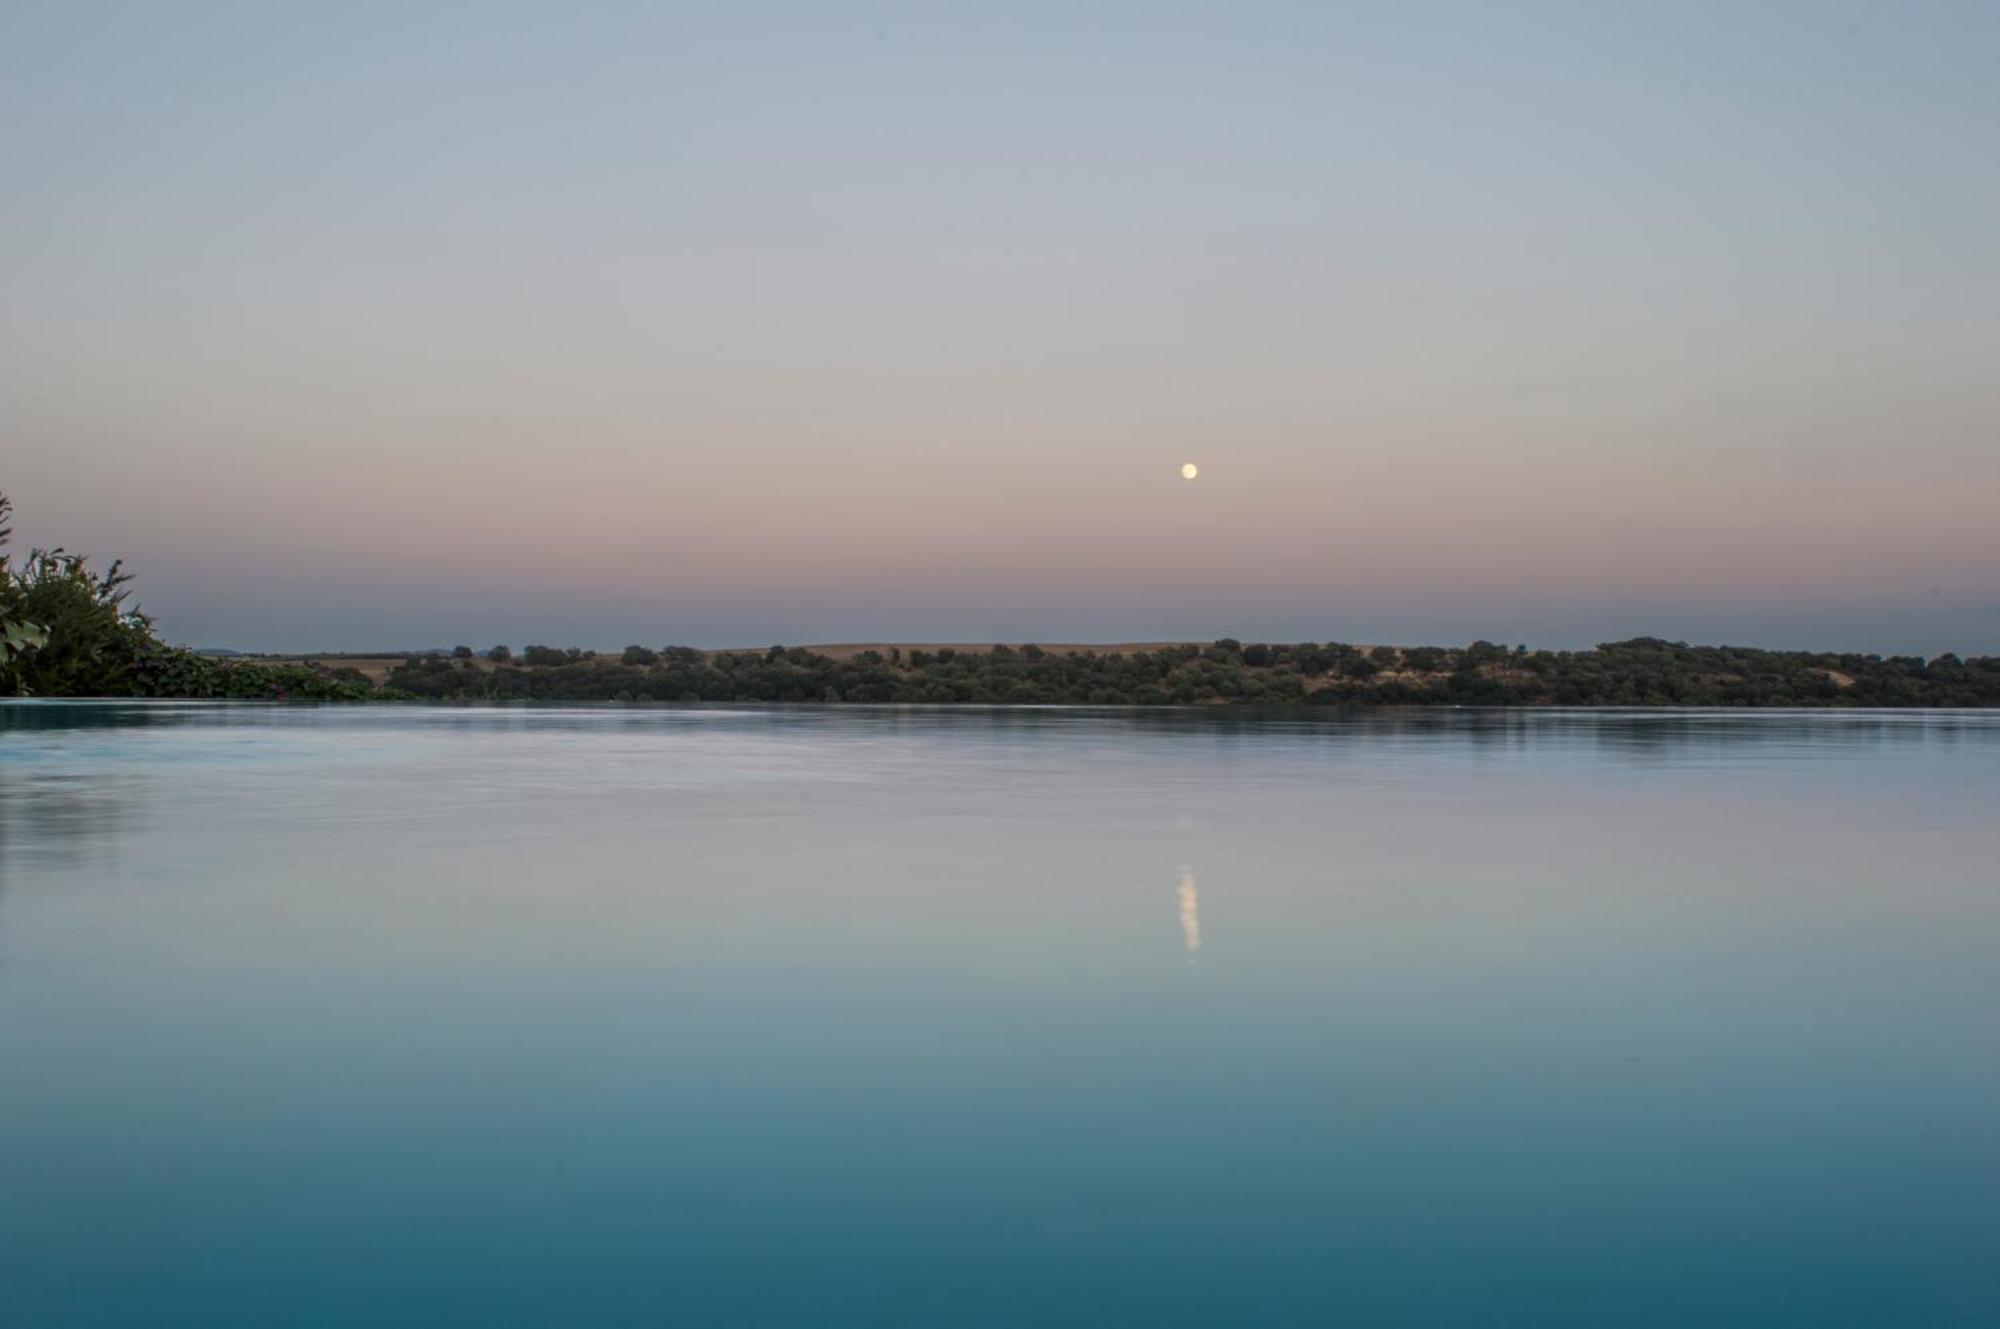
[(831, 1017)]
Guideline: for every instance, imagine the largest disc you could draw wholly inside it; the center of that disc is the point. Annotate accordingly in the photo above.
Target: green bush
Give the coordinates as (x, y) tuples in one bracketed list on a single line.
[(88, 638), (66, 631), (19, 635)]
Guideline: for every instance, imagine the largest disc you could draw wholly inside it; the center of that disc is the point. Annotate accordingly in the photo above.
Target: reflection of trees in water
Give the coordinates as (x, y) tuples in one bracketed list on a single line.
[(1637, 733), (1475, 724), (63, 821), (29, 717)]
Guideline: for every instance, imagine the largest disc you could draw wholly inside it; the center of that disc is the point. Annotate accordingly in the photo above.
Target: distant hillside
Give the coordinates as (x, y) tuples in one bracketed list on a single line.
[(1645, 671)]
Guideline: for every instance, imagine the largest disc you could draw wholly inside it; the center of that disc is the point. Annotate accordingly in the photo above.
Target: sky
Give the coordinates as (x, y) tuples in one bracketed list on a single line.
[(395, 326)]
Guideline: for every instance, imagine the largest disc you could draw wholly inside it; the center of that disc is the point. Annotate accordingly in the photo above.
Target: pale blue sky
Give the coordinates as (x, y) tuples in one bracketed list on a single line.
[(398, 325)]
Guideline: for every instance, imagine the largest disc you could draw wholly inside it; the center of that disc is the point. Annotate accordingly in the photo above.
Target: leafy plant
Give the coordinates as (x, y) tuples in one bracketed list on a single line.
[(67, 631), (19, 635), (89, 638)]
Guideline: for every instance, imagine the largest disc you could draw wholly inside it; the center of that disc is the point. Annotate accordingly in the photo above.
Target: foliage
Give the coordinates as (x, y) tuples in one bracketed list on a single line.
[(1642, 672), (19, 635), (554, 655), (67, 631), (173, 671), (88, 636)]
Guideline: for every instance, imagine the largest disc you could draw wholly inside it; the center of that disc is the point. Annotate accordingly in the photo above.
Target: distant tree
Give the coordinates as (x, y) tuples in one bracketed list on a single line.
[(1642, 671), (500, 654), (1424, 659), (461, 652), (640, 655)]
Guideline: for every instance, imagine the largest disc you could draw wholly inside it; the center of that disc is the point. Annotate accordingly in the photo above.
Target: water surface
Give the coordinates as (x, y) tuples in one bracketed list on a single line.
[(820, 1016)]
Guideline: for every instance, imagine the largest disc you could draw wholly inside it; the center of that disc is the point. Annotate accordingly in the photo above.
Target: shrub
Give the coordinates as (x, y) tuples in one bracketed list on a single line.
[(18, 634), (89, 639), (66, 631)]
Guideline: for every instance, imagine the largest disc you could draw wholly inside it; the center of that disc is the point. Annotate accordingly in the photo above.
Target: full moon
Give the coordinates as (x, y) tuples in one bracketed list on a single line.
[(1190, 471)]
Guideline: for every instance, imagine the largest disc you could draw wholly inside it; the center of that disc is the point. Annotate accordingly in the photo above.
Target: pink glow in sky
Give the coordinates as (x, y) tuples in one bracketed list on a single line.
[(787, 324)]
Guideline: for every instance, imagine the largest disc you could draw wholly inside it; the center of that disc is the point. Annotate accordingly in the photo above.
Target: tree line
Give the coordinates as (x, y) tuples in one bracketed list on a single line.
[(1645, 671), (67, 630)]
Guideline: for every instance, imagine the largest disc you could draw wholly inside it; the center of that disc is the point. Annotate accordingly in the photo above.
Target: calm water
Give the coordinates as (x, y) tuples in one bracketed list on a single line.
[(872, 1017)]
